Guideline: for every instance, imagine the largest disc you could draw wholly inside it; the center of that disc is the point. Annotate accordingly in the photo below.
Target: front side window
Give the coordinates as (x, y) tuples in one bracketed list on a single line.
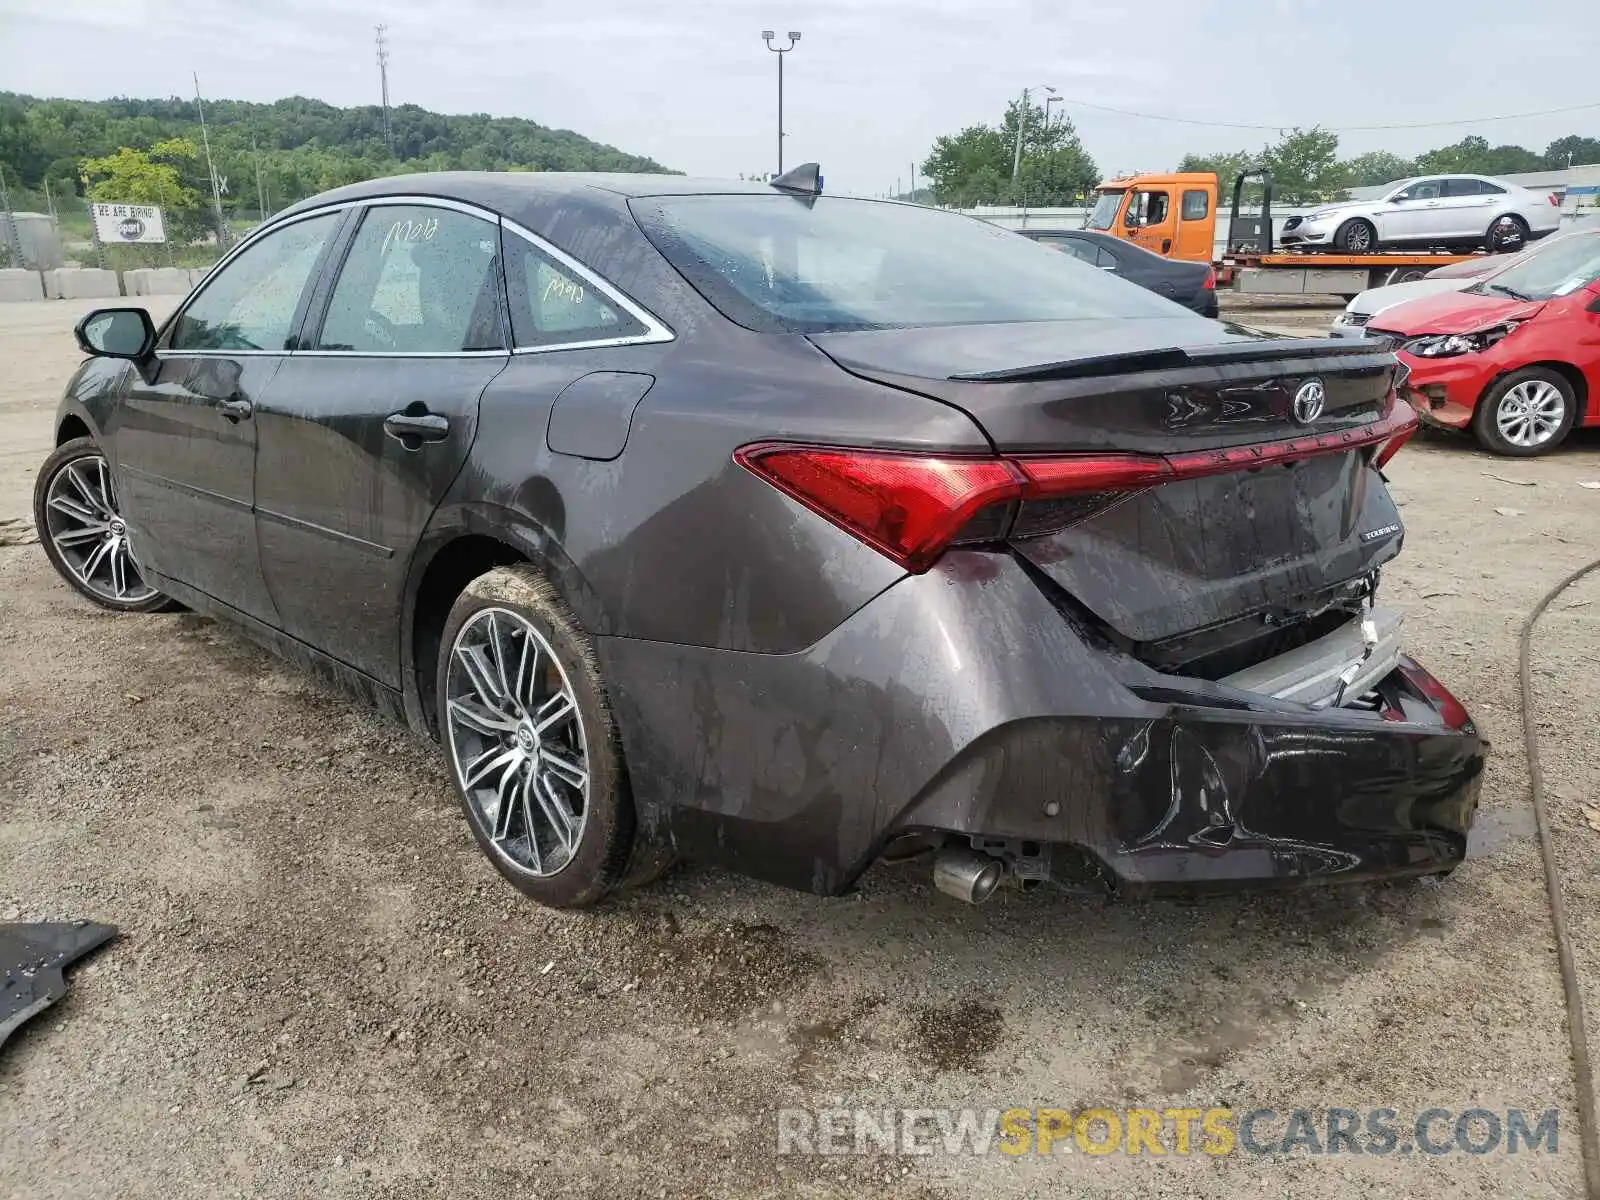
[(1423, 189), (251, 303), (552, 305), (781, 265), (417, 280), (1150, 207)]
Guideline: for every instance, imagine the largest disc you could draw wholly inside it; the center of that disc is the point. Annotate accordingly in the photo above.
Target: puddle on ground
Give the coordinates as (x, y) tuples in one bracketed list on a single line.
[(1495, 829)]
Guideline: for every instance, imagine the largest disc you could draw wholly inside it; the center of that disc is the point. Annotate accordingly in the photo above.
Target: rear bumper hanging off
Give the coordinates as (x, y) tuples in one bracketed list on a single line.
[(962, 704)]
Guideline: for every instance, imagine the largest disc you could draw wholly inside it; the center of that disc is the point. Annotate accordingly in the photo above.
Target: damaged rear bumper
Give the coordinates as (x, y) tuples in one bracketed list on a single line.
[(962, 704)]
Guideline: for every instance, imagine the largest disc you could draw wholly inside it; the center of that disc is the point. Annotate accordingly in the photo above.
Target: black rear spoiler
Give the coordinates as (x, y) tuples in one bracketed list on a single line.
[(1175, 358)]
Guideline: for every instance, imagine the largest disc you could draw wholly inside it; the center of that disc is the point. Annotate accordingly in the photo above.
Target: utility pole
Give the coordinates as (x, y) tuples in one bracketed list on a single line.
[(913, 183), (211, 170), (767, 36), (383, 80), (261, 194), (1022, 122), (8, 225)]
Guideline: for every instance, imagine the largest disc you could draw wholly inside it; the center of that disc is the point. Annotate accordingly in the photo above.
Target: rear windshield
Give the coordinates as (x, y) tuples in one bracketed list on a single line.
[(1567, 265), (784, 265)]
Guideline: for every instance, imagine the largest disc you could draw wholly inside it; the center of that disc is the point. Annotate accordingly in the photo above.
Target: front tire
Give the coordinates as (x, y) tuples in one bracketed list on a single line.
[(1528, 412), (1357, 236), (530, 740), (80, 526)]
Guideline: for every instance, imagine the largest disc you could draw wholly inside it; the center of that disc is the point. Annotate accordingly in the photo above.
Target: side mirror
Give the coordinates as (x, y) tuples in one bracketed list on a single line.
[(1398, 199), (117, 333)]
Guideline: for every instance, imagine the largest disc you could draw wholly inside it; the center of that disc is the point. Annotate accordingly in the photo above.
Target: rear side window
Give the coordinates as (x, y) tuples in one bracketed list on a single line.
[(1078, 249), (417, 280), (251, 302), (778, 264), (1464, 187), (1196, 205), (553, 305)]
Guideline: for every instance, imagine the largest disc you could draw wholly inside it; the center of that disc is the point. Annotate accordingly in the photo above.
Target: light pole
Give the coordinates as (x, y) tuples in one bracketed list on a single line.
[(767, 36), (1049, 100), (1022, 121)]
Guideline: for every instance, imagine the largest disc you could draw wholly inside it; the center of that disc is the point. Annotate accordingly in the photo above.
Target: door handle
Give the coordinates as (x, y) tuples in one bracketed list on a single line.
[(236, 410), (412, 429)]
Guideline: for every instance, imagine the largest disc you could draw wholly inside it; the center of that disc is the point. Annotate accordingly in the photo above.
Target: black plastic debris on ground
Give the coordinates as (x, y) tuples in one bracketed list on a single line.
[(31, 961)]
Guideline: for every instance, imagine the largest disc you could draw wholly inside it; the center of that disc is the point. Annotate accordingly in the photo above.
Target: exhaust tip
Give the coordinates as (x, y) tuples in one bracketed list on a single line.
[(967, 875)]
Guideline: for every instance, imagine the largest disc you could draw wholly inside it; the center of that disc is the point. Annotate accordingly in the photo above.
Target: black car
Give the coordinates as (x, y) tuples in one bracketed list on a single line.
[(742, 523), (1191, 284)]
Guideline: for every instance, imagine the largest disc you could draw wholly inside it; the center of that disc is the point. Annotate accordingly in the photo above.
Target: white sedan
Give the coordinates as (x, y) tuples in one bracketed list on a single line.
[(1436, 210)]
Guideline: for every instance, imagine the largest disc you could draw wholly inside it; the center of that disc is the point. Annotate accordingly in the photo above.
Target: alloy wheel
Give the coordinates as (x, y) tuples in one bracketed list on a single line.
[(87, 531), (517, 741), (1531, 413), (1359, 238)]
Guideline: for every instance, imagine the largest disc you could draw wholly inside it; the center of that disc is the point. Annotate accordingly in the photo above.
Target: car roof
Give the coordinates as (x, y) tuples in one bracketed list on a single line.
[(518, 193)]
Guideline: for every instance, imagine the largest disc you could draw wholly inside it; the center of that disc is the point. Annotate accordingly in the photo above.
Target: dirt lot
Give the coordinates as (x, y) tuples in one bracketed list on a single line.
[(322, 989)]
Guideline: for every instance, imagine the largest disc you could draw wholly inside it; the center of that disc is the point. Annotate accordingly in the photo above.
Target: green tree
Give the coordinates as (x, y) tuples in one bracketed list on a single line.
[(1226, 166), (974, 166), (135, 177), (1475, 156), (1305, 167), (1369, 170), (1572, 151)]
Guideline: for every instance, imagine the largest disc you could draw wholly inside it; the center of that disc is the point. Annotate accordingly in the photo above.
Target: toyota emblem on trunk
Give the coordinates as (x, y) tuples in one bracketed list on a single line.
[(1308, 401)]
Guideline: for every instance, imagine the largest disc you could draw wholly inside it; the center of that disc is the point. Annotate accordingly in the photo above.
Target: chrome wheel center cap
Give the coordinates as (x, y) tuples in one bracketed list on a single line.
[(117, 527), (528, 739)]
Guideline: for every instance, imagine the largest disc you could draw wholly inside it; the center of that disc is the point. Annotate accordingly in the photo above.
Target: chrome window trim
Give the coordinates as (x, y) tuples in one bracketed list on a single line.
[(222, 264), (471, 210), (655, 330)]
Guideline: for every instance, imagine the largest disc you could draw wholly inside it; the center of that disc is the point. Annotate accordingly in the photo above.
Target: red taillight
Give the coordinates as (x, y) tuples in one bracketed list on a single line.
[(1555, 200), (1210, 285), (907, 506), (911, 507)]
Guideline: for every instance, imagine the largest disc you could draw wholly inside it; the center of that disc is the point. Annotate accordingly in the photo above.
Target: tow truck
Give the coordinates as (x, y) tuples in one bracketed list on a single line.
[(1175, 216)]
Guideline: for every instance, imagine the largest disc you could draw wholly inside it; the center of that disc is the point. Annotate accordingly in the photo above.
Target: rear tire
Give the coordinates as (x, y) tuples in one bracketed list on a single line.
[(530, 741), (1529, 412), (1506, 235), (79, 521), (1356, 236)]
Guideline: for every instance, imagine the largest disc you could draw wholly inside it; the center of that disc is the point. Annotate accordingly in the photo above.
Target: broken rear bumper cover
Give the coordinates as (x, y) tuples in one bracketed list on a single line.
[(962, 702)]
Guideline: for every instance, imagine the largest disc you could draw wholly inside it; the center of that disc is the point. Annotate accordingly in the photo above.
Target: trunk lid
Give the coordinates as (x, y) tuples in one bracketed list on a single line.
[(1197, 568)]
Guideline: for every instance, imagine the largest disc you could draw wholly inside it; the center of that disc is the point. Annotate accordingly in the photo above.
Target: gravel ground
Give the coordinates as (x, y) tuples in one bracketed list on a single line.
[(322, 989)]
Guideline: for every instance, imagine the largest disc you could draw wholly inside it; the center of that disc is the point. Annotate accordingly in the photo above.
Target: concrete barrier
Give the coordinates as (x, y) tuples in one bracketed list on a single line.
[(17, 283), (85, 283), (156, 281)]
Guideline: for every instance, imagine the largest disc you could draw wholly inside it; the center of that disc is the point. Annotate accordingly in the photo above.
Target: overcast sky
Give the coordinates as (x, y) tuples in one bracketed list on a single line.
[(872, 82)]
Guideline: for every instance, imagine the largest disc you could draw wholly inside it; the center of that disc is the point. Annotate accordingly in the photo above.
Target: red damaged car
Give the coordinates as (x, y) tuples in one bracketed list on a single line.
[(1515, 357)]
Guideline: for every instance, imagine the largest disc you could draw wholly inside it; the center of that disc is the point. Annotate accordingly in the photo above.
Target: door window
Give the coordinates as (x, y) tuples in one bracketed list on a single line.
[(553, 305), (1464, 187), (1423, 189), (1196, 205), (252, 301), (1147, 208), (417, 280)]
